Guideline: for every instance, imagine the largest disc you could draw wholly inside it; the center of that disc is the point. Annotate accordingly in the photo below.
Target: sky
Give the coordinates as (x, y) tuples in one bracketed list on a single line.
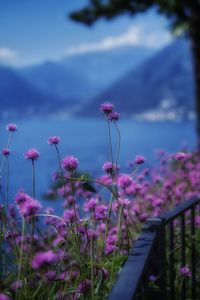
[(34, 31)]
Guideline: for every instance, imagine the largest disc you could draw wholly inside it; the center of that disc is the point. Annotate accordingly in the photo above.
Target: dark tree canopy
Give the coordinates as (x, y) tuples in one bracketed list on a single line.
[(180, 11)]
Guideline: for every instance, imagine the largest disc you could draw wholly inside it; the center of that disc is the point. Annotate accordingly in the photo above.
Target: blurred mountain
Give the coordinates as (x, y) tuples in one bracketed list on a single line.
[(102, 68), (19, 97), (54, 79), (84, 76), (164, 83)]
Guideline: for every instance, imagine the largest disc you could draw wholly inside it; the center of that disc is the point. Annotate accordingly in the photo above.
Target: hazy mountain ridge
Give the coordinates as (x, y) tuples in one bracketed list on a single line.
[(165, 81), (163, 84)]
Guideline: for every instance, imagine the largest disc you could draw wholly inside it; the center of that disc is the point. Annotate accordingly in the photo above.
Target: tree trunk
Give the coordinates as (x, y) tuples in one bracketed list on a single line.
[(195, 45)]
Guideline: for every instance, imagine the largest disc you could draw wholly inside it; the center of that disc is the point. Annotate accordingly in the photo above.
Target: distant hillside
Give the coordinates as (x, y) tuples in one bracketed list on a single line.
[(19, 96), (165, 80), (54, 79), (102, 68), (84, 76)]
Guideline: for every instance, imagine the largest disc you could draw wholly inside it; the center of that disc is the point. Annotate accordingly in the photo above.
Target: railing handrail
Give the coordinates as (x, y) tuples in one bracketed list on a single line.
[(128, 281), (180, 209)]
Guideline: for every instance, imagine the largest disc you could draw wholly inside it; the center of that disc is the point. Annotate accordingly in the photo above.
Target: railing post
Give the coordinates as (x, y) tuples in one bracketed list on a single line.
[(160, 257)]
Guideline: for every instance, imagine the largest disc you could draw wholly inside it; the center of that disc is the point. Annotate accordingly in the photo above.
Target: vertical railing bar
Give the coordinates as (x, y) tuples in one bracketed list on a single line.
[(171, 259), (162, 249), (193, 254), (182, 238)]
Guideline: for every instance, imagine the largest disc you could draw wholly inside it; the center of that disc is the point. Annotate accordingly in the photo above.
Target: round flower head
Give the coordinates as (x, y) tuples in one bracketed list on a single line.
[(139, 159), (5, 151), (11, 127), (113, 116), (109, 168), (53, 140), (32, 154), (185, 271), (70, 163), (42, 259), (106, 107), (4, 297), (181, 156)]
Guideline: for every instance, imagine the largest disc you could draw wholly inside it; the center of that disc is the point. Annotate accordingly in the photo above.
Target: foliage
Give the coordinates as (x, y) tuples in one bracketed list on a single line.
[(77, 255)]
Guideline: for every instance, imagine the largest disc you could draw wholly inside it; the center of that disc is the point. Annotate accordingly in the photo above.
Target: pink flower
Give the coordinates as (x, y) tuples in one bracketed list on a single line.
[(139, 159), (4, 297), (16, 285), (27, 205), (42, 259), (113, 116), (185, 271), (84, 286), (11, 127), (70, 163), (5, 151), (106, 107), (30, 208), (180, 156), (124, 180), (109, 168), (32, 154), (53, 140)]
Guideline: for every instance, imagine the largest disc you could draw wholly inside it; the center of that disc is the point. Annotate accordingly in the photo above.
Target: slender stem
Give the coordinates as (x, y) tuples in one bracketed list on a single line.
[(118, 144), (4, 158), (61, 171), (7, 185), (92, 266), (33, 178), (33, 218), (95, 181), (110, 141)]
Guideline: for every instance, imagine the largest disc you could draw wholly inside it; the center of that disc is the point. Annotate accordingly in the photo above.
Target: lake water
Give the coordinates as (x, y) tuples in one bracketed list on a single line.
[(88, 140)]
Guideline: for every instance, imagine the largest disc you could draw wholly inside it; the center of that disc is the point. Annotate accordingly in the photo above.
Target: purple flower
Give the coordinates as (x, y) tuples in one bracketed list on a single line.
[(106, 107), (139, 159), (28, 206), (70, 163), (100, 212), (5, 151), (113, 116), (84, 286), (32, 154), (124, 180), (50, 276), (90, 204), (185, 271), (4, 297), (109, 168), (42, 259), (53, 140), (180, 156), (70, 216), (11, 127), (152, 278), (21, 197), (16, 285)]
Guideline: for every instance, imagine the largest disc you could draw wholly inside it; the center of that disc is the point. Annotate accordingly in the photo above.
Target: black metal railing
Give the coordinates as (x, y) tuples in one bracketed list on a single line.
[(166, 244)]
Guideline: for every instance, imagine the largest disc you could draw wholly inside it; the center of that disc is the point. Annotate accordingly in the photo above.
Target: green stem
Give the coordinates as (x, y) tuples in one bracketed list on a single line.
[(33, 218), (118, 144), (110, 141), (61, 171)]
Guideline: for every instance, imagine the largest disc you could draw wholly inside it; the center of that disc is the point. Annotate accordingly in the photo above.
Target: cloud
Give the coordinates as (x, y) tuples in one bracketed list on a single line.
[(134, 36), (7, 54)]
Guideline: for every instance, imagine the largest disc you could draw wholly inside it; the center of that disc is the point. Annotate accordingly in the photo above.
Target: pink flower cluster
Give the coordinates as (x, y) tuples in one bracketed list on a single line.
[(28, 207), (32, 154)]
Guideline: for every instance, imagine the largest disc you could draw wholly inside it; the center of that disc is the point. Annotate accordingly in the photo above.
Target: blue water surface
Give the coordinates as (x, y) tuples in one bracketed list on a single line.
[(87, 139)]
